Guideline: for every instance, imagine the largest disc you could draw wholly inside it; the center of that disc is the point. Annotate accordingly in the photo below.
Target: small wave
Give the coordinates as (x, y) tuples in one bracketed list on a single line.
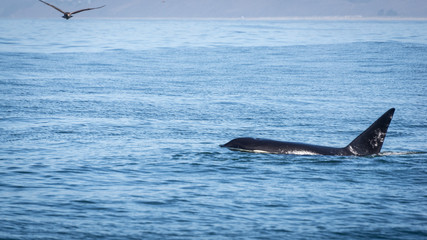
[(400, 153), (83, 201)]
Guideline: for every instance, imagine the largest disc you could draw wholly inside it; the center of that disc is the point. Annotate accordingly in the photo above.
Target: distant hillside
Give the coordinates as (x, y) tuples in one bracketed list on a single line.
[(219, 8)]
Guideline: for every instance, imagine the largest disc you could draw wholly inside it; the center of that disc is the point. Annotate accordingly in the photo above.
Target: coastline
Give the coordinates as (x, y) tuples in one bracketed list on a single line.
[(315, 18)]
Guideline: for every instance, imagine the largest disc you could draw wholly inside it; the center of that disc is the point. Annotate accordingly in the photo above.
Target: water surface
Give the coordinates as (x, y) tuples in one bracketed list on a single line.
[(110, 129)]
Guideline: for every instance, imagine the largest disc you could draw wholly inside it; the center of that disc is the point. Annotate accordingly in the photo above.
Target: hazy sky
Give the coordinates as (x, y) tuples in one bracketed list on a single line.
[(218, 8)]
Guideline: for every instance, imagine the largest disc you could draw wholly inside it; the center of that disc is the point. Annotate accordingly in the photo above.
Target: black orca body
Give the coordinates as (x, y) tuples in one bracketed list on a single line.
[(367, 143)]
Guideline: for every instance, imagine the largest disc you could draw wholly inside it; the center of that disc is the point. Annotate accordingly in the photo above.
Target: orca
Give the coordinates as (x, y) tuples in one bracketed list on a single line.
[(368, 142)]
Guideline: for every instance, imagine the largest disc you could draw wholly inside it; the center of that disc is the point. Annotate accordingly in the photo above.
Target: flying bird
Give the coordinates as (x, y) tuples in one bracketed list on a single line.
[(68, 15)]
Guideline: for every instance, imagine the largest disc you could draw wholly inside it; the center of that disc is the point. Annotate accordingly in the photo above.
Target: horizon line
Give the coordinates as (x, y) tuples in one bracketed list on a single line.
[(331, 18)]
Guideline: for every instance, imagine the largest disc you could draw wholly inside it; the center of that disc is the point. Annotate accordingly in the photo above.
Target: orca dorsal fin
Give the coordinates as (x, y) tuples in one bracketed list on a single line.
[(372, 139)]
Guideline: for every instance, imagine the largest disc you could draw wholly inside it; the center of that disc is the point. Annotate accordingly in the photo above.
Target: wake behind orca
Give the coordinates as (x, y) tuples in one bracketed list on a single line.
[(367, 143)]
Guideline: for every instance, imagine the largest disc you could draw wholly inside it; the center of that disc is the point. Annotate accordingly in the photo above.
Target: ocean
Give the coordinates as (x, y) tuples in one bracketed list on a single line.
[(110, 129)]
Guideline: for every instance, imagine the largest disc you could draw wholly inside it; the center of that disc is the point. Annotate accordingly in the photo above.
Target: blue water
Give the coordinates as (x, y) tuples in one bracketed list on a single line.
[(110, 129)]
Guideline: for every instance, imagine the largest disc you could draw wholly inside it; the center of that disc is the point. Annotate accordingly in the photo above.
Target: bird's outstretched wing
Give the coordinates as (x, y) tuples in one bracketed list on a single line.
[(52, 6), (86, 9)]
